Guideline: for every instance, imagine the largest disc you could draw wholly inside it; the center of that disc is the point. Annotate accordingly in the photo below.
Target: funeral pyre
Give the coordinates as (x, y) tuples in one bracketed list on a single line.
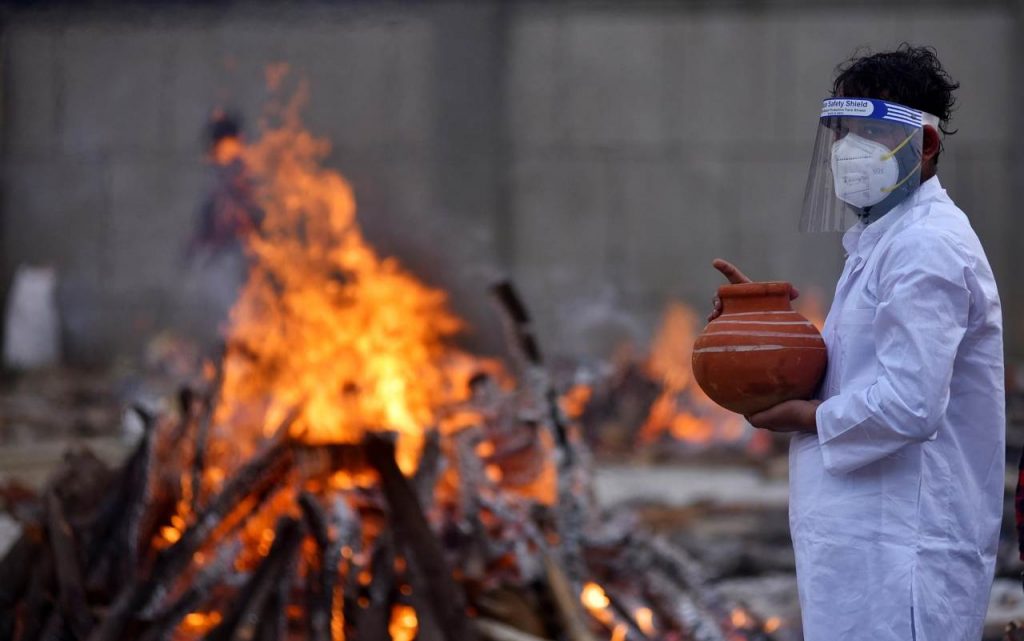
[(343, 472)]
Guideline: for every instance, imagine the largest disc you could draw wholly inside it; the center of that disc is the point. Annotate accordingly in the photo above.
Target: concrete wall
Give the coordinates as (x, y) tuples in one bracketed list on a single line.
[(602, 156)]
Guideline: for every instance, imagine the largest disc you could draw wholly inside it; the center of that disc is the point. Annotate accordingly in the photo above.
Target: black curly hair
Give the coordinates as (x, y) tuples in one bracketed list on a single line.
[(911, 76)]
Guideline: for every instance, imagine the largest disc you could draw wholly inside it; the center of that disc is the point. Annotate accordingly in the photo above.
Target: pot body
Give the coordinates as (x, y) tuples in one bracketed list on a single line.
[(758, 352)]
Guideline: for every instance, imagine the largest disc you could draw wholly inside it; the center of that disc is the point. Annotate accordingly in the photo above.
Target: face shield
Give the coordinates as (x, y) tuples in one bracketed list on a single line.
[(866, 160)]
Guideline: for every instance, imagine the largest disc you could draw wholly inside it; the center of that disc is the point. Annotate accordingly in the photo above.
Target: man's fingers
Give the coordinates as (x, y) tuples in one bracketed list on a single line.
[(760, 418), (716, 309), (730, 271)]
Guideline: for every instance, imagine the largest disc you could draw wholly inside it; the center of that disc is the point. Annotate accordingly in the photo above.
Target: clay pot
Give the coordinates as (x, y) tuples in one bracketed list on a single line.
[(758, 352)]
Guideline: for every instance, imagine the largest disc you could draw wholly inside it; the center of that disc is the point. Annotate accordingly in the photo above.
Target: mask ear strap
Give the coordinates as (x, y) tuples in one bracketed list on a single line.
[(898, 147), (926, 119), (900, 183)]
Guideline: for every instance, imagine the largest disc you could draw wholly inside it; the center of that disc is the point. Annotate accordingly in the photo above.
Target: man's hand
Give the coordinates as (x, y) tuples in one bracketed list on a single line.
[(788, 416), (735, 277)]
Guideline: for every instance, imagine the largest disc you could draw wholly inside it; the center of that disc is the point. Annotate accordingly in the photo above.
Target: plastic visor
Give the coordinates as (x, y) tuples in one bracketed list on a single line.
[(866, 160)]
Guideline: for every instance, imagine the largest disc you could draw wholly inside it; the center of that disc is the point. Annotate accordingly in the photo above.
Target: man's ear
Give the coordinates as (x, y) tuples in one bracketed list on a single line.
[(931, 143)]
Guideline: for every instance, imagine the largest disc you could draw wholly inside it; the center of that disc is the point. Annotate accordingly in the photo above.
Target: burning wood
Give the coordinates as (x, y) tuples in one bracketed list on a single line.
[(201, 586), (406, 489), (430, 576)]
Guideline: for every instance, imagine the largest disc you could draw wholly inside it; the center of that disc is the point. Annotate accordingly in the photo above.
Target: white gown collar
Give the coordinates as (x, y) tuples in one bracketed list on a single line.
[(861, 238)]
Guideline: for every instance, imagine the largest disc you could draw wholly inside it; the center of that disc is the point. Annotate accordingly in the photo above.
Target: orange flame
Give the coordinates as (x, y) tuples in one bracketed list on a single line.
[(739, 618), (575, 400), (323, 322), (404, 624), (198, 623), (683, 410), (645, 620), (226, 150), (593, 597), (597, 602)]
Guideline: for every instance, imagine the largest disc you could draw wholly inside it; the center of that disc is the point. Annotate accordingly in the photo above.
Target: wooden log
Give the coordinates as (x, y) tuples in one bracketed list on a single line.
[(566, 602), (250, 607), (519, 324), (256, 479), (209, 404), (346, 595), (80, 481), (16, 570), (679, 607), (332, 530), (273, 621), (186, 403), (29, 588), (76, 485), (321, 577), (476, 548), (676, 583), (428, 627), (434, 580), (35, 608), (512, 606), (164, 622), (623, 615), (491, 630), (529, 534), (570, 516), (71, 589), (521, 335), (371, 621), (425, 478), (200, 443), (56, 628), (112, 538)]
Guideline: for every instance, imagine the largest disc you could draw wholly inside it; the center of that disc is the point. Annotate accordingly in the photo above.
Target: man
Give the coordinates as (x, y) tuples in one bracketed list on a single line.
[(896, 473), (216, 264)]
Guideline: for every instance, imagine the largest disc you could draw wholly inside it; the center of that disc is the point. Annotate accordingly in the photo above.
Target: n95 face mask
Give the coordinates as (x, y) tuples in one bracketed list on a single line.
[(863, 171)]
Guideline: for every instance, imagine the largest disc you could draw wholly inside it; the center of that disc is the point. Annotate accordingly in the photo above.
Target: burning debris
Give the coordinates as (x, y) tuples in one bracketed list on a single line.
[(344, 473), (648, 405)]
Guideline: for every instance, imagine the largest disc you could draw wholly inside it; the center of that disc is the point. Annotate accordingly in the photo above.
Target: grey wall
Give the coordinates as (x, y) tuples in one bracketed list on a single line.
[(602, 155)]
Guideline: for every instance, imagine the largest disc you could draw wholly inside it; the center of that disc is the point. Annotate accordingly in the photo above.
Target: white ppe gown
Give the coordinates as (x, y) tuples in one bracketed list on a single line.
[(895, 503)]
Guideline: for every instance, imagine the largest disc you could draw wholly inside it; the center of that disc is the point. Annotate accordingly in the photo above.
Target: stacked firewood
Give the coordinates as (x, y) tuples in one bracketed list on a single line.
[(454, 552)]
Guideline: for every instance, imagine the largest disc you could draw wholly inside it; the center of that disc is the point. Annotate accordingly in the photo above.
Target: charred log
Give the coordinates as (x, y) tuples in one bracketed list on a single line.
[(371, 618), (71, 589), (114, 552), (35, 609), (331, 531), (259, 603), (254, 482), (16, 568), (199, 589), (566, 603), (429, 573)]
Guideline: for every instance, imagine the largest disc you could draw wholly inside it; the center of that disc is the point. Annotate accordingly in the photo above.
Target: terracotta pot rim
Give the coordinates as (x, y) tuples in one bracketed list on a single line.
[(766, 288)]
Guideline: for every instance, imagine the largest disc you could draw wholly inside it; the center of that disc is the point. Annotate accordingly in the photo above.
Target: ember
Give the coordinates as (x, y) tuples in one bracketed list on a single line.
[(347, 474)]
